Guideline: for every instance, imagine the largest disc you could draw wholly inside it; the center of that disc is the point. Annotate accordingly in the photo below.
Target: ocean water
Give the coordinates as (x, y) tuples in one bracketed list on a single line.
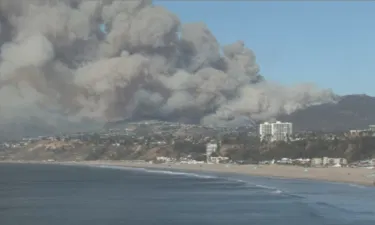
[(104, 195)]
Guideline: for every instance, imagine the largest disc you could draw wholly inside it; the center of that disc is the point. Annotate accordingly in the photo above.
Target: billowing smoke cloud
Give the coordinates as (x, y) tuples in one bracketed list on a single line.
[(78, 60)]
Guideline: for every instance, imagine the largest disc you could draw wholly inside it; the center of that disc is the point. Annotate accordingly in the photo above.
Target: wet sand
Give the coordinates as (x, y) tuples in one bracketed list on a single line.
[(360, 176)]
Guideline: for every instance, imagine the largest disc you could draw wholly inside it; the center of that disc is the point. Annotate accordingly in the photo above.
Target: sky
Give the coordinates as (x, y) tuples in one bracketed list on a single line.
[(331, 44)]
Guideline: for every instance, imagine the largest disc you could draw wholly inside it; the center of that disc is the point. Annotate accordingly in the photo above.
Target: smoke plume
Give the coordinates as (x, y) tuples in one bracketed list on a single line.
[(79, 61)]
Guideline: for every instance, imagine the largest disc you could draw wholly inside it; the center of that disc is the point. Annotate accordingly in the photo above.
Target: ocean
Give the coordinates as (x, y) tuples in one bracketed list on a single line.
[(105, 195)]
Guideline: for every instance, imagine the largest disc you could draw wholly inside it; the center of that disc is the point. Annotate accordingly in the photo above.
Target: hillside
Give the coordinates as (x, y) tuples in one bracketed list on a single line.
[(237, 148), (350, 112)]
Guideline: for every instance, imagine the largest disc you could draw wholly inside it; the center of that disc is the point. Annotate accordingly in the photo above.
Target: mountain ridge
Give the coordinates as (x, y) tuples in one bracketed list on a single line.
[(355, 111)]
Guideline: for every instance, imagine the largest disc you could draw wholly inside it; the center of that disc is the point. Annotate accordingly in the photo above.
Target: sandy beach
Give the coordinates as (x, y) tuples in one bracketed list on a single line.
[(360, 176)]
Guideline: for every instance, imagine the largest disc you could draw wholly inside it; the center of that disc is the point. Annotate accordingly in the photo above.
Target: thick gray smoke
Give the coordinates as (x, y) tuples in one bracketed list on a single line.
[(81, 60)]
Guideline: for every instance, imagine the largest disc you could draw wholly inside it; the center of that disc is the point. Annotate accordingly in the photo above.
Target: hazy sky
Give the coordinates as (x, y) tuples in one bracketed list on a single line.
[(329, 43)]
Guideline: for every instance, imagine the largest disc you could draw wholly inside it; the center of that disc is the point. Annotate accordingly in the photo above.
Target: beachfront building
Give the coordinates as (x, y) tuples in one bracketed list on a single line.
[(210, 148), (278, 131), (316, 162), (219, 159), (326, 161), (334, 161)]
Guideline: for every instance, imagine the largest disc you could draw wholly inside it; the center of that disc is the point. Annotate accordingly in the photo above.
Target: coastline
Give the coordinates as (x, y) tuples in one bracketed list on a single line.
[(360, 176)]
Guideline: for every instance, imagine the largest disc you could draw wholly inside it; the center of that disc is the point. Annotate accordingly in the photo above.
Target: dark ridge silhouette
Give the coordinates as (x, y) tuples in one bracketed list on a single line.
[(350, 112)]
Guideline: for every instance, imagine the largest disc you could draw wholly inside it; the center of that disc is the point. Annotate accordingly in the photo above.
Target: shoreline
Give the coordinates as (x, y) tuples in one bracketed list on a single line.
[(360, 176)]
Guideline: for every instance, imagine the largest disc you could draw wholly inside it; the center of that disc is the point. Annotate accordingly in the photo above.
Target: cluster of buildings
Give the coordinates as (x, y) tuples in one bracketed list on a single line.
[(210, 159), (369, 163), (286, 161), (326, 161), (365, 132), (278, 131), (150, 135), (314, 162)]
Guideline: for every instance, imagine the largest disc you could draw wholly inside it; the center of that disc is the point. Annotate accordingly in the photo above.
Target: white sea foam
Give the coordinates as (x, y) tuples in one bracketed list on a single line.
[(357, 186), (181, 174), (195, 175), (119, 167), (274, 190), (167, 172), (237, 180), (277, 191), (265, 187)]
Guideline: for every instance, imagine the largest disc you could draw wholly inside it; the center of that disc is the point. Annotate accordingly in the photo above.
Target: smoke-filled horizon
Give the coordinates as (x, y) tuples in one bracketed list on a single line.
[(81, 61)]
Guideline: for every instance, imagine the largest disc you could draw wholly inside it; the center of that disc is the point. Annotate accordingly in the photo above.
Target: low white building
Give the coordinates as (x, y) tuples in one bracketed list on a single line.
[(334, 161), (316, 162), (164, 159), (284, 161), (326, 161), (218, 159)]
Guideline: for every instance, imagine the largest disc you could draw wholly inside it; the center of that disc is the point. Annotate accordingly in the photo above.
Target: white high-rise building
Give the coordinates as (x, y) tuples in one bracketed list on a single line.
[(278, 131), (265, 130)]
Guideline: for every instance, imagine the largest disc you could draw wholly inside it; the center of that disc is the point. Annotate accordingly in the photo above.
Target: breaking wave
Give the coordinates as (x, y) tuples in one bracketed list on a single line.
[(274, 190)]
